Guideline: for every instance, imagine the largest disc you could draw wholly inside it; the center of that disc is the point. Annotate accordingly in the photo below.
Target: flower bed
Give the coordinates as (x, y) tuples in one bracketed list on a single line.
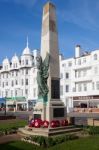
[(37, 123)]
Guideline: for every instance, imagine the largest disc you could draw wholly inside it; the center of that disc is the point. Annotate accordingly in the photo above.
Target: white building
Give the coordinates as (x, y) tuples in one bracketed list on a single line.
[(79, 83), (79, 80), (18, 82)]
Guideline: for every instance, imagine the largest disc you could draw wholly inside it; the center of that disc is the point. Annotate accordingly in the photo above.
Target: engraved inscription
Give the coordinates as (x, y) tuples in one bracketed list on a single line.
[(58, 112), (55, 89)]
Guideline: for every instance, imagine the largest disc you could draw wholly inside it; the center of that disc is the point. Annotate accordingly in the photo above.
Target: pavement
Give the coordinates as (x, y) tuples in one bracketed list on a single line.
[(9, 138), (19, 114)]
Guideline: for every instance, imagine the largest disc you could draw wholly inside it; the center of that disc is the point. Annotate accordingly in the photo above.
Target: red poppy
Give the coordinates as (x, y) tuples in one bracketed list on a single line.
[(45, 124)]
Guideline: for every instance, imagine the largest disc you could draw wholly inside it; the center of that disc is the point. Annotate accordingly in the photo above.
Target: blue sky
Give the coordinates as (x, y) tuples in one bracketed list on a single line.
[(77, 20)]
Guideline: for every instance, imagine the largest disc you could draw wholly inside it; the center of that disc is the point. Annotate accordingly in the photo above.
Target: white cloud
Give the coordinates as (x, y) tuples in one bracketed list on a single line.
[(84, 14), (26, 3)]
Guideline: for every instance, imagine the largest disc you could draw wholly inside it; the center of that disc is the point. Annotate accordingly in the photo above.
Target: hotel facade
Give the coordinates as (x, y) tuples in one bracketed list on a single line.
[(79, 80), (18, 84)]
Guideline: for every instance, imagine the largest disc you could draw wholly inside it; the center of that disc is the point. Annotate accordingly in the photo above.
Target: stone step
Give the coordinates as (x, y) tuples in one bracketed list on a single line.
[(42, 132), (72, 130), (60, 128)]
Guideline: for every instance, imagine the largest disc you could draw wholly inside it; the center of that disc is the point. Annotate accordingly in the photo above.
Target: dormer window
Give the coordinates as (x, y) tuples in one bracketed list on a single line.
[(95, 56), (26, 61)]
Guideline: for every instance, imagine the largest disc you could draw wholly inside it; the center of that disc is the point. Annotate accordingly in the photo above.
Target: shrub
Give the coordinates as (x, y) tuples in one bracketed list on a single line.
[(49, 141), (93, 130)]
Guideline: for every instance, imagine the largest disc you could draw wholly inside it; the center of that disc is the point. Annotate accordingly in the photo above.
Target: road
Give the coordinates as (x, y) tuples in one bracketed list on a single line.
[(18, 114)]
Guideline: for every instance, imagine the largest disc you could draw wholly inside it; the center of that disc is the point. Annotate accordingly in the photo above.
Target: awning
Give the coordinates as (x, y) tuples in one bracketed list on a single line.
[(2, 100), (16, 99)]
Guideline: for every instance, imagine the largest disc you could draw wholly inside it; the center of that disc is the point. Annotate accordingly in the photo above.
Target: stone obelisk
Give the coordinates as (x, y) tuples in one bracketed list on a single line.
[(54, 108)]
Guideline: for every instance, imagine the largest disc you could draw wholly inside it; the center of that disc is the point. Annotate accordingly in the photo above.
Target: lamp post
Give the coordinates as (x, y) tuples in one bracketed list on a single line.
[(5, 107)]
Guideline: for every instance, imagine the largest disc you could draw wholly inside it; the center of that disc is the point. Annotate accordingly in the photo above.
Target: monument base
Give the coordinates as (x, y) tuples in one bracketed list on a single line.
[(28, 131), (55, 110)]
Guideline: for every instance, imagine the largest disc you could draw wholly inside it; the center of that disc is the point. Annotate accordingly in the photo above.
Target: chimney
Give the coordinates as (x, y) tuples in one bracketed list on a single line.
[(77, 51)]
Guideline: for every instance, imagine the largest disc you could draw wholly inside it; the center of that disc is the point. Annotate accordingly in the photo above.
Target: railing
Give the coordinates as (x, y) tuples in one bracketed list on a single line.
[(86, 110)]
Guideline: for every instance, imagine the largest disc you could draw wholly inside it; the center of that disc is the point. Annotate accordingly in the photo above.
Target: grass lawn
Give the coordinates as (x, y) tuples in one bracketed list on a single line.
[(89, 143), (14, 123)]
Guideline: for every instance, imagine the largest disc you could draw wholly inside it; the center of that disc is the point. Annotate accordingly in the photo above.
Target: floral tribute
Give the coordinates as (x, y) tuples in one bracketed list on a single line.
[(38, 123)]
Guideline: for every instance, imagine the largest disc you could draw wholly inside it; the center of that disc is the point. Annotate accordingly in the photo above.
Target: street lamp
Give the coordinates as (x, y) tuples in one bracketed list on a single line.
[(5, 107)]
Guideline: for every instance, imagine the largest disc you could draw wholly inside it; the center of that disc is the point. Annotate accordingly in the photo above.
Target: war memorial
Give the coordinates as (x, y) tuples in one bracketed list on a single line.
[(49, 114)]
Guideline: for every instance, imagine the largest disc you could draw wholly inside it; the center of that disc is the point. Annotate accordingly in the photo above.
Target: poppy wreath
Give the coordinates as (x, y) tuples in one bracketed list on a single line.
[(55, 123), (38, 123), (45, 124), (31, 123), (64, 122)]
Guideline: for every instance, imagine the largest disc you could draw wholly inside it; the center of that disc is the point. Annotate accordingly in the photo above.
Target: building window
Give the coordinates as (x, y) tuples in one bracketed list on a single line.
[(79, 73), (79, 61), (11, 93), (97, 85), (26, 81), (67, 75), (22, 82), (84, 60), (93, 86), (3, 84), (26, 91), (61, 90), (84, 73), (6, 83), (26, 71), (7, 75), (69, 64), (67, 88), (75, 74), (16, 93), (12, 83), (85, 87), (16, 82), (95, 56), (63, 65), (79, 88), (96, 70), (26, 61), (6, 93), (16, 73), (12, 73), (16, 65), (22, 71), (61, 75)]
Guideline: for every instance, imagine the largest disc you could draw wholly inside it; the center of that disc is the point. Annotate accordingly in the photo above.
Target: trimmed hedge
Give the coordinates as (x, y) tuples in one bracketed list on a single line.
[(93, 130), (49, 141)]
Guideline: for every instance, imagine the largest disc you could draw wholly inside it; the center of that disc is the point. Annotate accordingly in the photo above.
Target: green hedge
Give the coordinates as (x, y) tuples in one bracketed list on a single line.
[(49, 141), (93, 130)]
